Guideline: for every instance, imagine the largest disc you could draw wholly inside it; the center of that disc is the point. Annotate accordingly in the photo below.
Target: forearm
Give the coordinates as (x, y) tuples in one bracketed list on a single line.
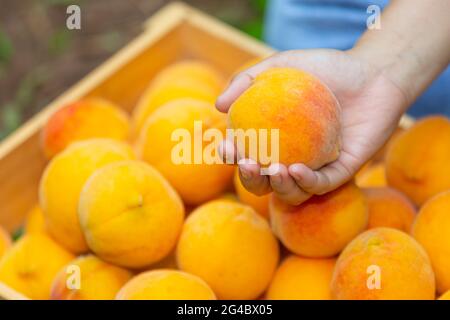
[(413, 45)]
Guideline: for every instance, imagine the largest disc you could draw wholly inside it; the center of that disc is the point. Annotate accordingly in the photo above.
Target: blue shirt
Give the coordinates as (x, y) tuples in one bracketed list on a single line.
[(337, 24)]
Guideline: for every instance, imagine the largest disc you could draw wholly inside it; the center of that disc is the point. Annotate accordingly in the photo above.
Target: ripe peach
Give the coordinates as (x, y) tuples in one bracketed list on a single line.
[(389, 208), (31, 264), (323, 225), (186, 79), (229, 246), (129, 214), (98, 280), (300, 106), (417, 160), (165, 284), (62, 181), (300, 278), (445, 296), (372, 176), (5, 241), (259, 203), (181, 160), (35, 220), (383, 264), (81, 120), (431, 230)]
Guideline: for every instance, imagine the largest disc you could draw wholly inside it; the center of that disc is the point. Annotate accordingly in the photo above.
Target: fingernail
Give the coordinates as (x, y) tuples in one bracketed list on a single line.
[(276, 178), (295, 170)]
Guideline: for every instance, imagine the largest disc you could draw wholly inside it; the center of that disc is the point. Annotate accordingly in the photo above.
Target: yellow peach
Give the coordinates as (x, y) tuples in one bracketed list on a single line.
[(82, 120), (389, 208), (383, 264), (62, 181), (186, 79), (300, 278), (98, 280), (229, 246), (302, 108), (195, 172), (35, 221), (431, 230), (166, 285), (323, 225), (129, 214), (417, 160), (259, 203), (31, 265), (5, 241)]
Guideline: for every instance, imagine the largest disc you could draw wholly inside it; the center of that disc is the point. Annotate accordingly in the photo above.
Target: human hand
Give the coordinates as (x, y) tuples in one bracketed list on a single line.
[(371, 106)]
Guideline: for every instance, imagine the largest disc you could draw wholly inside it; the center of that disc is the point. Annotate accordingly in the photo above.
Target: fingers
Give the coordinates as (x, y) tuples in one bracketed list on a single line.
[(326, 179), (252, 180), (240, 83), (228, 152), (285, 187)]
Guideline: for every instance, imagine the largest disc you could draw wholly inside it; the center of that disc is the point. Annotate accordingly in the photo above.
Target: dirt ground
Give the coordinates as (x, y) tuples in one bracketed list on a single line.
[(40, 57)]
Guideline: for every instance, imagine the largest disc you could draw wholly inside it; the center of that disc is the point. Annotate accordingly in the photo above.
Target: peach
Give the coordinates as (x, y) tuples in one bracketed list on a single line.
[(181, 159), (323, 225), (35, 220), (31, 264), (98, 280), (389, 208), (166, 285), (300, 278), (431, 230), (259, 203), (231, 247), (82, 120), (62, 181), (129, 214), (417, 160), (372, 176), (445, 296), (5, 241), (303, 109), (186, 79), (383, 264)]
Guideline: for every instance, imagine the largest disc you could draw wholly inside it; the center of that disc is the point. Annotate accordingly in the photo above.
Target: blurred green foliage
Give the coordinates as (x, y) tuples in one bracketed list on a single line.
[(6, 51), (59, 41)]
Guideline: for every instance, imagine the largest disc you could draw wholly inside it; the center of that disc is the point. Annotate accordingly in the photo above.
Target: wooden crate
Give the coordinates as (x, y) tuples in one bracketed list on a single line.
[(175, 32)]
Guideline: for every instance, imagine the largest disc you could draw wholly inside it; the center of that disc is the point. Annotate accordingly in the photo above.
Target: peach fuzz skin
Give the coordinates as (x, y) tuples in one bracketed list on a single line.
[(299, 278), (430, 229), (303, 109), (163, 284), (323, 225), (82, 120), (130, 215), (389, 208), (417, 161), (391, 256), (231, 247), (184, 79), (68, 172), (195, 182), (99, 280), (32, 263)]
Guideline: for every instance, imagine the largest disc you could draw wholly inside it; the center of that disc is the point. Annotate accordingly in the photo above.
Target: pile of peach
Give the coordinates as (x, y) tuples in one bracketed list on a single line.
[(118, 219)]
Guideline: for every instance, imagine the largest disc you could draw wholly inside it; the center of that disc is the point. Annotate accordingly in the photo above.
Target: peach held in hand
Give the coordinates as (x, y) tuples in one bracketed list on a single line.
[(302, 108)]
